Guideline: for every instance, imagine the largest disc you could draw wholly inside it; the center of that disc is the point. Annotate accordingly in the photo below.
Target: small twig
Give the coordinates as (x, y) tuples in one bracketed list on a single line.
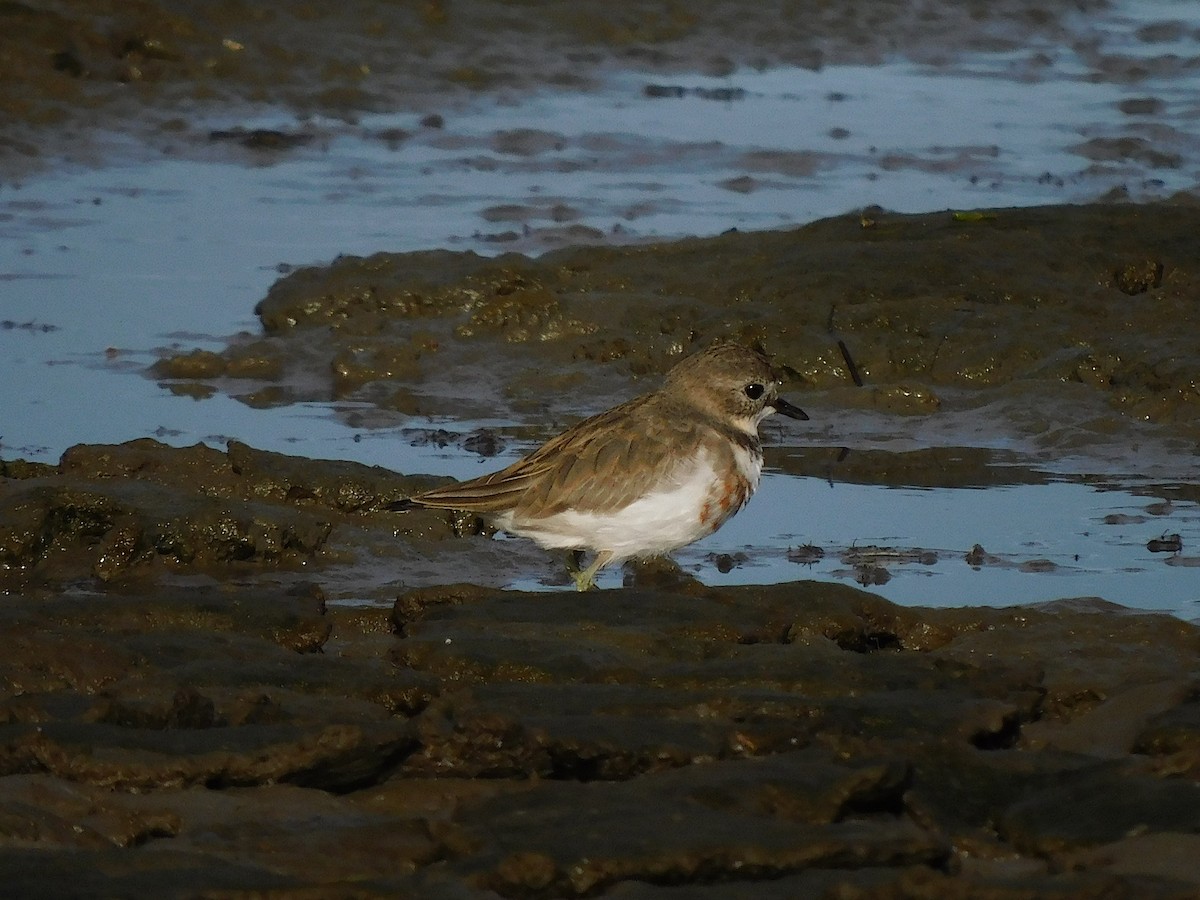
[(854, 373)]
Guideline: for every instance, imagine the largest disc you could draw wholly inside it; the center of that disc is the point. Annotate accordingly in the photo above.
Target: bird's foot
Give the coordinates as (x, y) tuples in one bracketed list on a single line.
[(585, 580)]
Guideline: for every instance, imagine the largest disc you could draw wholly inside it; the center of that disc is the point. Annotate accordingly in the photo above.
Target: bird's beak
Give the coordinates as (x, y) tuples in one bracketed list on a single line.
[(784, 408)]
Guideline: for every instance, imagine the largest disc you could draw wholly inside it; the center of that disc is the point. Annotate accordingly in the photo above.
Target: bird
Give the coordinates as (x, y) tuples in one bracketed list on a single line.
[(644, 478)]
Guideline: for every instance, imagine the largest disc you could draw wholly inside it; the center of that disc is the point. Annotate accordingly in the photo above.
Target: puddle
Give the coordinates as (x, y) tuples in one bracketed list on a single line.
[(914, 545), (1025, 537), (172, 245)]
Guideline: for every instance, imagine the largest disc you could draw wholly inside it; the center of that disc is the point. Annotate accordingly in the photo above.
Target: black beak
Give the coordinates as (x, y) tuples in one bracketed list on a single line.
[(784, 408)]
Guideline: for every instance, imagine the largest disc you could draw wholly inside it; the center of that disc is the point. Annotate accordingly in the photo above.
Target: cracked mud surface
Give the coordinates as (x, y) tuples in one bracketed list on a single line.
[(183, 714)]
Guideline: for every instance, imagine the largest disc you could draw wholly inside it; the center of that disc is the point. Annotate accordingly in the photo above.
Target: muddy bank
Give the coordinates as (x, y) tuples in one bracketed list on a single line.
[(142, 510), (205, 723), (1067, 320)]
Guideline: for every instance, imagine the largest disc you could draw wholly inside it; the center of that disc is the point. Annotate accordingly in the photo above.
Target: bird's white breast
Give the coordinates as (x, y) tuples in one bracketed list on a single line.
[(683, 509)]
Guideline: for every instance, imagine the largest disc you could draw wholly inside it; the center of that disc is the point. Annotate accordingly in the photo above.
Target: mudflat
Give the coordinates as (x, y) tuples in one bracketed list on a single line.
[(185, 712)]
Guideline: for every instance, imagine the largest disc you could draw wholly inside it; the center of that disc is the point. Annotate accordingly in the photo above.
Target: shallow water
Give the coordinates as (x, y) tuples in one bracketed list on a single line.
[(1042, 537), (173, 244), (1047, 541)]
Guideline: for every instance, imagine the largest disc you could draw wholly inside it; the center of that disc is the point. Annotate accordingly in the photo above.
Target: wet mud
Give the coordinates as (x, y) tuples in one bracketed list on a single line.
[(188, 710), (916, 315), (183, 713), (70, 68)]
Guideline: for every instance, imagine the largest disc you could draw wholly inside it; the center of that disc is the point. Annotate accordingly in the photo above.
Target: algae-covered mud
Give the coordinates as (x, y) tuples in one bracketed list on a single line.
[(886, 314), (266, 271)]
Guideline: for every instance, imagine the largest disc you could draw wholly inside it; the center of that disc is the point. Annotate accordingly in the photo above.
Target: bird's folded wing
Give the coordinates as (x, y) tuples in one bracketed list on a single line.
[(604, 463)]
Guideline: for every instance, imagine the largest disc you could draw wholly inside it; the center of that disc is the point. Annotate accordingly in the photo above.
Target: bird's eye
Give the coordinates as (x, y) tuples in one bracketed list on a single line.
[(754, 390)]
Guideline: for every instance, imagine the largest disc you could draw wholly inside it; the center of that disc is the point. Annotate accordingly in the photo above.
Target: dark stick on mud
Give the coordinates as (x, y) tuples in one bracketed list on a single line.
[(854, 373)]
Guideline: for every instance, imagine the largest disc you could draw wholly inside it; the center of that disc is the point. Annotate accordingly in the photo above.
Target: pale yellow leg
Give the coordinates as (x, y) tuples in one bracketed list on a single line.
[(586, 580)]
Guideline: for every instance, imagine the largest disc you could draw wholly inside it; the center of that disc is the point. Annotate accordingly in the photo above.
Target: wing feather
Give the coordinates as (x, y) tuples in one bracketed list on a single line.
[(591, 462)]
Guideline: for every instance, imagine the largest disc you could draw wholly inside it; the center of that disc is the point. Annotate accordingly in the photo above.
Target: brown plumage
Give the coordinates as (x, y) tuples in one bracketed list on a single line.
[(568, 491)]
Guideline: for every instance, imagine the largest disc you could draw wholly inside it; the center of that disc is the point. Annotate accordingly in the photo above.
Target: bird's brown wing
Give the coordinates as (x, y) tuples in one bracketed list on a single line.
[(606, 462)]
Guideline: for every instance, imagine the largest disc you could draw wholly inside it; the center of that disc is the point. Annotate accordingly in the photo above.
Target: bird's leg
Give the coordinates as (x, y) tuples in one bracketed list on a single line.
[(574, 562), (586, 580)]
